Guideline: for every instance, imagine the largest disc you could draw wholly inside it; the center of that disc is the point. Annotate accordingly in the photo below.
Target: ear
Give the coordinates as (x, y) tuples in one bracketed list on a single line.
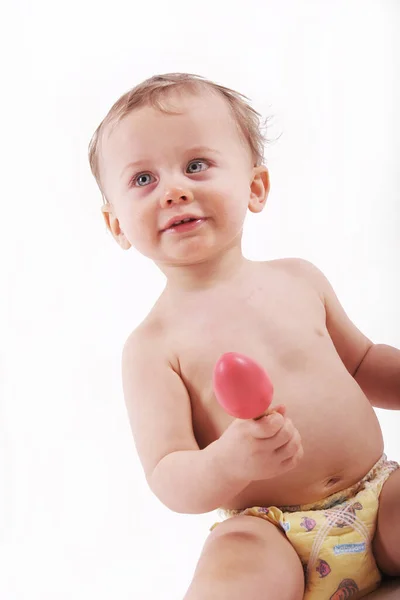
[(112, 224), (259, 189)]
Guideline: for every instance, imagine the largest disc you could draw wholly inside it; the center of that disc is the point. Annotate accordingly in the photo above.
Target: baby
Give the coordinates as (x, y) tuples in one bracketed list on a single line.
[(310, 504)]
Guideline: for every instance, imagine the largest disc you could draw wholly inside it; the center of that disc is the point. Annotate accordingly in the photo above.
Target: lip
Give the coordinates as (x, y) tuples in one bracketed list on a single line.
[(180, 218)]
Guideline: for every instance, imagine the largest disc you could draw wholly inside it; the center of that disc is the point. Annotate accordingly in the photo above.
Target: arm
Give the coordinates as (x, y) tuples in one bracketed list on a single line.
[(379, 376), (183, 477), (375, 367)]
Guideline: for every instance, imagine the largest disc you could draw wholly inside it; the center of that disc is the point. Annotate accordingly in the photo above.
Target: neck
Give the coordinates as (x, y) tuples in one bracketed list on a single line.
[(203, 277)]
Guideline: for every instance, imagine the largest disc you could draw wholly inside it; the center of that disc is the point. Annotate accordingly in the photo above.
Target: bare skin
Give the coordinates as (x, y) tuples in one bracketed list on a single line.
[(245, 556), (283, 314), (290, 340)]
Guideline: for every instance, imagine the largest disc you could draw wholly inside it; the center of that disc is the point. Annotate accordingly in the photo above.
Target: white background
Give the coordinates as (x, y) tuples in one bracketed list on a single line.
[(76, 517)]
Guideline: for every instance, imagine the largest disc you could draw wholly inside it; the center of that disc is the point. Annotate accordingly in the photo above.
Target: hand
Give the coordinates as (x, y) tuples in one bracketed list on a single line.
[(251, 450)]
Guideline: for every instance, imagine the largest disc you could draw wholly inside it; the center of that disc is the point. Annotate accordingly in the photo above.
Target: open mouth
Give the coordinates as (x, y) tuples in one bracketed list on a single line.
[(183, 221), (185, 225)]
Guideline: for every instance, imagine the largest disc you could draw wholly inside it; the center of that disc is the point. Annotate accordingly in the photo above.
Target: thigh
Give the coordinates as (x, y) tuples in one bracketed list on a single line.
[(253, 547), (386, 541)]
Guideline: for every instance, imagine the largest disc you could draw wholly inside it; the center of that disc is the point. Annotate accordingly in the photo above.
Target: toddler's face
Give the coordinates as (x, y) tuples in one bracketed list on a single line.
[(155, 166)]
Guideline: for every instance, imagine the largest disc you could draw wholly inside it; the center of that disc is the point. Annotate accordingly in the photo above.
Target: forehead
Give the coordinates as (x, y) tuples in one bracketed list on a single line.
[(147, 132)]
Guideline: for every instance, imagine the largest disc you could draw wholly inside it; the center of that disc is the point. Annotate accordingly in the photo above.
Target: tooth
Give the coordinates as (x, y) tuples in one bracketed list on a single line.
[(183, 221)]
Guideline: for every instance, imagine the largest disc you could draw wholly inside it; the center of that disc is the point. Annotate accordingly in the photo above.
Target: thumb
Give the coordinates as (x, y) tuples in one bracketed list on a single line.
[(281, 409)]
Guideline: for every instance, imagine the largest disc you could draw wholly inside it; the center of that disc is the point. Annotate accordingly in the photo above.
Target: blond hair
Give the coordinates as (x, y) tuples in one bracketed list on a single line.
[(152, 92)]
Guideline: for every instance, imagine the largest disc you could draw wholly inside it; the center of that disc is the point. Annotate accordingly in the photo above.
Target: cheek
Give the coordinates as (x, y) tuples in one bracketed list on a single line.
[(138, 225), (234, 183), (231, 200)]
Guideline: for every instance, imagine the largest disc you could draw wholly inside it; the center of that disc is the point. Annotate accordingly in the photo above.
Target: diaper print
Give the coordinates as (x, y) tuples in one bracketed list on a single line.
[(347, 588), (308, 523), (323, 568), (349, 548), (348, 517)]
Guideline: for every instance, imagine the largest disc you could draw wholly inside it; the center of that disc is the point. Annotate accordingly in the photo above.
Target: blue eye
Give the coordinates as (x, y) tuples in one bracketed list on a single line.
[(198, 166), (141, 181)]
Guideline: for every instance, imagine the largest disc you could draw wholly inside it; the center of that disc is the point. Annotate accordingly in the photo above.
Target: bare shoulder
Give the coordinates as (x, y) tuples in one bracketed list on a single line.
[(146, 351), (149, 337), (149, 344), (305, 270), (350, 343), (297, 266), (151, 326)]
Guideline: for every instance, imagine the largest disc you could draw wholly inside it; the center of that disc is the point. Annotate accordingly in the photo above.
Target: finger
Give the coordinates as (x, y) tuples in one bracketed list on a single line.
[(292, 461), (267, 426), (281, 409), (290, 448), (285, 434)]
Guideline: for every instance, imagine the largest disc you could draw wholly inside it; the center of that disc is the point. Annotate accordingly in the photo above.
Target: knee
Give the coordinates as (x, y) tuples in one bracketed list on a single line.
[(250, 557), (233, 545), (251, 543), (236, 529), (244, 532)]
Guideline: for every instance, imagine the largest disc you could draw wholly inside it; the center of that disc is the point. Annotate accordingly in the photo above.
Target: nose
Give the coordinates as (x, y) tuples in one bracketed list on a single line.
[(176, 195)]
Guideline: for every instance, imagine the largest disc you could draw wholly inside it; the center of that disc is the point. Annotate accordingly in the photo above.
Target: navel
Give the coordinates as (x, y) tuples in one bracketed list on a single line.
[(332, 481)]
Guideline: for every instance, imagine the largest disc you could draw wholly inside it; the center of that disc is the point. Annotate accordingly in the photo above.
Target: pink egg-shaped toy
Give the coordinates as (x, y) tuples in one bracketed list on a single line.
[(241, 386)]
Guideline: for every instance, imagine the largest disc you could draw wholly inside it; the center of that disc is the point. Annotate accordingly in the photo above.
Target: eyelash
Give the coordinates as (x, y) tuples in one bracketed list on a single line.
[(197, 160)]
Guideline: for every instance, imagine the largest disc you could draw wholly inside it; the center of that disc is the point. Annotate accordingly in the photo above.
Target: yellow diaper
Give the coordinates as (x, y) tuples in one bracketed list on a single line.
[(333, 536)]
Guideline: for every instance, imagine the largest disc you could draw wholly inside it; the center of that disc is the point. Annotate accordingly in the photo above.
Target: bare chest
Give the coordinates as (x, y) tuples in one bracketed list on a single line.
[(281, 330)]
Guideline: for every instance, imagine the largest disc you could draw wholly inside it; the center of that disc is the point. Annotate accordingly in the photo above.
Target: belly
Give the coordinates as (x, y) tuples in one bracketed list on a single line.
[(341, 438)]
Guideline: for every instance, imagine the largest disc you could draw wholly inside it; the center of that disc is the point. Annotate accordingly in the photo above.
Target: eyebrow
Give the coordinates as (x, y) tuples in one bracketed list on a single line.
[(136, 163), (194, 150)]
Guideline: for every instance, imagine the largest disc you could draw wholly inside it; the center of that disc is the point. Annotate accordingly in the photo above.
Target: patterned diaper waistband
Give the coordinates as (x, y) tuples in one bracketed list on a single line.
[(381, 469)]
